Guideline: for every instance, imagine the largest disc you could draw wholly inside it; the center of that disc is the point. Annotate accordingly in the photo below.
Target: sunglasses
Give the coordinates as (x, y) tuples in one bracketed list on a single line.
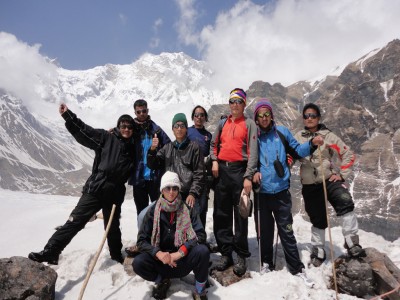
[(312, 116), (141, 111), (266, 114), (237, 101), (176, 126), (123, 126), (200, 115), (171, 188)]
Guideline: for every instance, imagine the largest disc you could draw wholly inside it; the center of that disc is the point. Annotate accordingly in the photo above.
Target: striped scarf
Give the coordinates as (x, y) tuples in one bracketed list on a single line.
[(184, 230)]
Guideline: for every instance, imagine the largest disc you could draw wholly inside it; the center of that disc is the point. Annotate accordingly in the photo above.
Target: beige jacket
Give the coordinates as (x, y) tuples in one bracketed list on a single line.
[(310, 170)]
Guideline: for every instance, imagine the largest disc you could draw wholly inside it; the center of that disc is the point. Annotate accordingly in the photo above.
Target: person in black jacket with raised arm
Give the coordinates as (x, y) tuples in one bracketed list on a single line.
[(112, 166)]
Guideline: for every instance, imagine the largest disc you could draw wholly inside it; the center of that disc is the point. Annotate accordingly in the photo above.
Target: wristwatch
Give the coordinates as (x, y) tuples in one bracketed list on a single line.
[(181, 253)]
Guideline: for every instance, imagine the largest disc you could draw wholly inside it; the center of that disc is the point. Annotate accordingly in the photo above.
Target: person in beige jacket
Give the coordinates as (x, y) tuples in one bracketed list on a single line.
[(338, 195)]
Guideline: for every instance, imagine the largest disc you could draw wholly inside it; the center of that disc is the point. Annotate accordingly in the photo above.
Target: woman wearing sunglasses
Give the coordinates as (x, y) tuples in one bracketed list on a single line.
[(274, 199), (171, 241)]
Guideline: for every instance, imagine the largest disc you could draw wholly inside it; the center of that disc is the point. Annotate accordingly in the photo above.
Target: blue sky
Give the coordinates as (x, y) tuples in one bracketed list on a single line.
[(89, 33), (241, 40)]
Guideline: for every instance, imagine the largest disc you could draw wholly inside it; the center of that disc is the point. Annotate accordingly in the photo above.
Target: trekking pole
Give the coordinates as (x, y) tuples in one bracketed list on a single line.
[(257, 191), (276, 246), (327, 220), (94, 260)]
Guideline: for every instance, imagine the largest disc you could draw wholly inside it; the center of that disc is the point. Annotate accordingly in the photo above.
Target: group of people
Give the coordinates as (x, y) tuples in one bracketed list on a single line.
[(247, 154)]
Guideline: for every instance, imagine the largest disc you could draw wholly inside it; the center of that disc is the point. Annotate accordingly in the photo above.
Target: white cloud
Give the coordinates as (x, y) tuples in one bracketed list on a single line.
[(157, 24), (123, 18), (24, 72), (289, 40), (186, 24)]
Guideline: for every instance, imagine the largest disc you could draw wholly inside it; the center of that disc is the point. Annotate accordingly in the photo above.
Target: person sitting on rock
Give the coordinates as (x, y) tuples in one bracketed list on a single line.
[(338, 195), (172, 242)]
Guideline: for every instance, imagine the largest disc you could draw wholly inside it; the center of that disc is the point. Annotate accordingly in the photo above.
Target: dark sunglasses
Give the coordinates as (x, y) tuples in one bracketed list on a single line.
[(173, 188), (141, 111), (176, 126), (123, 126), (266, 114), (312, 116), (200, 115), (237, 101)]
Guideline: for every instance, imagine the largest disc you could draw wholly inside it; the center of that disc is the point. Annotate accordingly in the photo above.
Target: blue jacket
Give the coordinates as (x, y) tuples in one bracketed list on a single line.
[(270, 148), (143, 135), (202, 137)]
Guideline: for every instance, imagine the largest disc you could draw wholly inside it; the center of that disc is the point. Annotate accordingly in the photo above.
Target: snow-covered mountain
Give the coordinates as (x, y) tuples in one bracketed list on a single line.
[(37, 153)]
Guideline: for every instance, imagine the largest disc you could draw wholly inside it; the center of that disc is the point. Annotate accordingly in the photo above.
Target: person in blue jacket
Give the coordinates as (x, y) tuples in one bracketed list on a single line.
[(145, 182), (273, 176), (198, 133)]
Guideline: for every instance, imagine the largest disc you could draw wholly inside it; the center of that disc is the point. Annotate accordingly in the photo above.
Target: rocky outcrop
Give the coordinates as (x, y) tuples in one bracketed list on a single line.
[(22, 278), (374, 274)]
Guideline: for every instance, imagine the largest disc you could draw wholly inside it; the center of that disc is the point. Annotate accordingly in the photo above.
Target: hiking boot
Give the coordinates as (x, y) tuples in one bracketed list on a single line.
[(352, 244), (307, 281), (160, 289), (224, 263), (49, 254), (213, 248), (240, 267), (201, 296), (266, 268), (132, 251), (317, 256), (118, 258)]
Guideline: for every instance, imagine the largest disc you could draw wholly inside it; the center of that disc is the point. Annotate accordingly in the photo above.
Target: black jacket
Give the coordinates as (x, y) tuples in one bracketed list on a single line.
[(114, 155), (167, 232), (186, 160)]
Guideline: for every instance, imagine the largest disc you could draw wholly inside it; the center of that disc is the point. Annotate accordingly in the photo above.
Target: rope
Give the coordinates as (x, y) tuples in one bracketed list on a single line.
[(94, 260), (327, 219)]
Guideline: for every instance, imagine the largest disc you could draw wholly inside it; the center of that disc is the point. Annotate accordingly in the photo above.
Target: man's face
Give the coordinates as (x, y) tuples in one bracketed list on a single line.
[(179, 130), (199, 118), (237, 107), (141, 113), (264, 118), (311, 118), (126, 130)]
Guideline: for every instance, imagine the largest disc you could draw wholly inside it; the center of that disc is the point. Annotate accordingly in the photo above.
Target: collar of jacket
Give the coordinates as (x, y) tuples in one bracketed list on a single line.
[(307, 132), (182, 145)]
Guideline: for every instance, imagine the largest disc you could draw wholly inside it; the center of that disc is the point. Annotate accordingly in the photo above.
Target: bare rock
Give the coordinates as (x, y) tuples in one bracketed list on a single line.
[(227, 277), (22, 278), (374, 274)]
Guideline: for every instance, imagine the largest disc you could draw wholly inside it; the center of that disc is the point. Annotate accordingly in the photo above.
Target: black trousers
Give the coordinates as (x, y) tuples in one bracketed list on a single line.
[(142, 193), (226, 211), (148, 267), (87, 206), (277, 208), (314, 201)]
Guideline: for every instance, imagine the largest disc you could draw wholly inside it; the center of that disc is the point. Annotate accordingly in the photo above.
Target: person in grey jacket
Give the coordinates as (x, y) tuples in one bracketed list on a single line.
[(113, 163), (338, 194)]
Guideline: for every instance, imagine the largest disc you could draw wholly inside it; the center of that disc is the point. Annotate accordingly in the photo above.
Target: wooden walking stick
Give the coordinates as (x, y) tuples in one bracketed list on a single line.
[(95, 258), (327, 220)]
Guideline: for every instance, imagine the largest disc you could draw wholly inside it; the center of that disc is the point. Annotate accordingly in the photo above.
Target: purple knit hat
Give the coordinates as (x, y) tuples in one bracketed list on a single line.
[(263, 103)]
